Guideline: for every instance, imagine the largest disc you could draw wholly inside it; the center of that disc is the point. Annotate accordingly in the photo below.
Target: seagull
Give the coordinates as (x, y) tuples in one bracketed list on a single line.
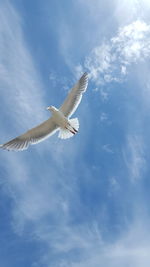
[(59, 121)]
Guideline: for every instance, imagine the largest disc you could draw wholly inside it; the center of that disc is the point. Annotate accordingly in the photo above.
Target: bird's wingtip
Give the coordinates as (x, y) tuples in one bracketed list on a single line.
[(1, 146), (85, 73), (84, 77)]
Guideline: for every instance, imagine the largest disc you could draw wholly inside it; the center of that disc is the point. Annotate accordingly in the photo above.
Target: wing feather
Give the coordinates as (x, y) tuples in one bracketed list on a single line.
[(74, 97), (33, 136)]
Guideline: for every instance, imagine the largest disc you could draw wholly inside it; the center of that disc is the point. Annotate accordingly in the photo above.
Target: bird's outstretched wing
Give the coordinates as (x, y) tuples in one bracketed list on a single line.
[(33, 136), (74, 97)]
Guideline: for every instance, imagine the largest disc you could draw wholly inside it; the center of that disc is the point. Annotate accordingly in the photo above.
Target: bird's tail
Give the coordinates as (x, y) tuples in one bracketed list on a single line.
[(74, 123), (71, 130)]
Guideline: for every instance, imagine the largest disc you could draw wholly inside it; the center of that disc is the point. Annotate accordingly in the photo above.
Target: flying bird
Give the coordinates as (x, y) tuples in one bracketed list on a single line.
[(59, 121)]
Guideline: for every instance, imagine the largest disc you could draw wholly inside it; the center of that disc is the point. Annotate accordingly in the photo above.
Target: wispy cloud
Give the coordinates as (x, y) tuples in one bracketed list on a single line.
[(110, 61), (132, 246), (134, 156), (21, 87)]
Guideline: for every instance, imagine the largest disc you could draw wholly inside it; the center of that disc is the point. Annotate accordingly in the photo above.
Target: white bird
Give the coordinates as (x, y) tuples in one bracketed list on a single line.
[(58, 121)]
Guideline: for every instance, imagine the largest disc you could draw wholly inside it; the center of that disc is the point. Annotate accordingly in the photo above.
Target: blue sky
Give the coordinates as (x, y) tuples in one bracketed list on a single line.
[(82, 201)]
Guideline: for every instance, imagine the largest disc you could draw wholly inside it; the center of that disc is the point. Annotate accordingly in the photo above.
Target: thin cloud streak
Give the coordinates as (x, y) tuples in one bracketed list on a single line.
[(135, 157), (131, 246), (21, 88)]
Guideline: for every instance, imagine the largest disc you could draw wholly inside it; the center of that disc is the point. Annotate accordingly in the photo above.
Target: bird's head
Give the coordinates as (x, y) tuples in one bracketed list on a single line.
[(51, 108)]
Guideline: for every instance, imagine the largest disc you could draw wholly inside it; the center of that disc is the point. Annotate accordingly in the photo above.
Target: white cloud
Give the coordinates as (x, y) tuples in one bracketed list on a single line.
[(21, 87), (107, 148), (103, 117), (109, 62), (131, 248), (133, 42), (114, 186), (135, 157), (124, 70)]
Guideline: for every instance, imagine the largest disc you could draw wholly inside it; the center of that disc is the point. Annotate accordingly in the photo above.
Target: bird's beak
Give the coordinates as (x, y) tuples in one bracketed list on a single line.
[(48, 108)]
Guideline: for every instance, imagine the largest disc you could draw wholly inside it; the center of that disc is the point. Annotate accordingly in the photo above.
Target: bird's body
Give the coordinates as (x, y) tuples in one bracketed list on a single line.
[(58, 117), (64, 123), (60, 120)]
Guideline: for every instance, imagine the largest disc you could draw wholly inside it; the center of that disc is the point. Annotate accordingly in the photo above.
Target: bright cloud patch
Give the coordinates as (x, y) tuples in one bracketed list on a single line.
[(109, 61)]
